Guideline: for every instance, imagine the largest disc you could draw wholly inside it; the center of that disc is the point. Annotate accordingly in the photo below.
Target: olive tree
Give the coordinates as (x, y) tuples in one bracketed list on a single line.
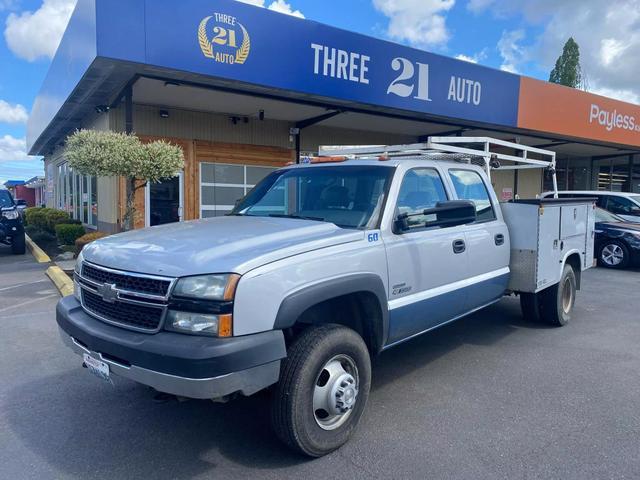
[(106, 153)]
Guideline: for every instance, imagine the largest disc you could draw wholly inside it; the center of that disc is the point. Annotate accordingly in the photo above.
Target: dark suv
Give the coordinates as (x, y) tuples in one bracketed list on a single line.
[(11, 228)]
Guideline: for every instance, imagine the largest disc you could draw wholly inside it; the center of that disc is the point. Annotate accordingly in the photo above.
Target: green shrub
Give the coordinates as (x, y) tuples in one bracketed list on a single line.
[(86, 239), (47, 218), (36, 217), (70, 221), (67, 234), (43, 238), (54, 217)]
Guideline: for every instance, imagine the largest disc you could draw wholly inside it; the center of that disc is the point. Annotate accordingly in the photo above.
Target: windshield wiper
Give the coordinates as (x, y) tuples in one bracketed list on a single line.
[(299, 217)]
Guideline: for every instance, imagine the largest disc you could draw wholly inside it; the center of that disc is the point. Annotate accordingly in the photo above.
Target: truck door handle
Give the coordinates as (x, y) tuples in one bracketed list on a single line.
[(499, 238), (459, 246)]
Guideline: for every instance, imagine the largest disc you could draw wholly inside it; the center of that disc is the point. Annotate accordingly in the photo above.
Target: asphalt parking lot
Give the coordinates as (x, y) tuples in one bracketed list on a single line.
[(490, 396)]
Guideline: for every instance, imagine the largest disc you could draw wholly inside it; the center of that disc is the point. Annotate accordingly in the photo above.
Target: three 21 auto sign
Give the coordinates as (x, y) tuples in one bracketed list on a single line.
[(231, 40)]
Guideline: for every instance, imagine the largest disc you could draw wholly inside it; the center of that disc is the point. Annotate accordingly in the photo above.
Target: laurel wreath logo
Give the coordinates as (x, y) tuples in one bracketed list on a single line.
[(243, 52), (206, 45)]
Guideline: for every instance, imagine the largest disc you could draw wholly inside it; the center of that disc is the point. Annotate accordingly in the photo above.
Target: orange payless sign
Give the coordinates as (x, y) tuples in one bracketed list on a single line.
[(547, 107)]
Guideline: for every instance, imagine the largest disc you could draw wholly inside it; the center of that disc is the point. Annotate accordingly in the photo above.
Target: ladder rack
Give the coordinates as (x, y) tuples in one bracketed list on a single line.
[(491, 150)]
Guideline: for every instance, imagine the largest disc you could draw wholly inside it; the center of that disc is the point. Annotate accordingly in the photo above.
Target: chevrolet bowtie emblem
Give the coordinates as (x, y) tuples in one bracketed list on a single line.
[(108, 292)]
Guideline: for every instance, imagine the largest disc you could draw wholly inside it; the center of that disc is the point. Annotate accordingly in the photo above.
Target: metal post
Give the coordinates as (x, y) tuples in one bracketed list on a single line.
[(487, 159), (555, 178), (128, 109)]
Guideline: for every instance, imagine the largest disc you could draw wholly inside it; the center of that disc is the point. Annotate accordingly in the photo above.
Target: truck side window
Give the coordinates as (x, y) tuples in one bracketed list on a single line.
[(421, 188), (469, 186)]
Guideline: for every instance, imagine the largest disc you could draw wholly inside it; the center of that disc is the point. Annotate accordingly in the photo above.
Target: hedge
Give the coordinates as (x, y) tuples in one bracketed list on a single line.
[(67, 234), (86, 239), (46, 219)]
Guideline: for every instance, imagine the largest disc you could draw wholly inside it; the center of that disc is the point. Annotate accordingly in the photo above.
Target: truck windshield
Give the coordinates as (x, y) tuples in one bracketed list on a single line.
[(348, 196), (5, 199)]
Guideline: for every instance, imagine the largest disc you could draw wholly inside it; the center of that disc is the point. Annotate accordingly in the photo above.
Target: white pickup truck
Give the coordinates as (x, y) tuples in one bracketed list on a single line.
[(320, 267)]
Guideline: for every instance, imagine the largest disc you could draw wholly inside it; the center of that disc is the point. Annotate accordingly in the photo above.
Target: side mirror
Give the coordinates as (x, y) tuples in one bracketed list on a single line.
[(447, 214)]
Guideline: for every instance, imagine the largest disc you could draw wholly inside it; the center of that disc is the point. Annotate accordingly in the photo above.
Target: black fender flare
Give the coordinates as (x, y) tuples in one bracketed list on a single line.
[(293, 306)]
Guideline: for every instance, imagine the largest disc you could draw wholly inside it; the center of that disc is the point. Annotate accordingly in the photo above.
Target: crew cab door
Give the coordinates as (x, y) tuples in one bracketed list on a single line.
[(427, 266), (487, 239)]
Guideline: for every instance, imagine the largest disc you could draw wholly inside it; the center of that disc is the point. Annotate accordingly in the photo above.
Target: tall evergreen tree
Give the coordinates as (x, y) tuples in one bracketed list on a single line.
[(568, 71)]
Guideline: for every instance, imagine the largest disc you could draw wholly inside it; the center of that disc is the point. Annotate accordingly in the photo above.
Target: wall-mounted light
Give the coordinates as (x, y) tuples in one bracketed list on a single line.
[(164, 113), (102, 108), (261, 115)]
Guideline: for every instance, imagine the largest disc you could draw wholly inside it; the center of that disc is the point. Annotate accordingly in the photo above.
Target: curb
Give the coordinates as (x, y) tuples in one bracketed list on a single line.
[(61, 280), (36, 251)]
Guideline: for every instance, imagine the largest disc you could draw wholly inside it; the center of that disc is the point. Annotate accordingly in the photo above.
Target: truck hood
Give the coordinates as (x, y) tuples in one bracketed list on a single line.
[(217, 245)]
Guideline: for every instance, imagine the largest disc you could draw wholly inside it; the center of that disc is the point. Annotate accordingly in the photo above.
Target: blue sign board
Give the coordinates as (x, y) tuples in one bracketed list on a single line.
[(232, 40), (237, 42)]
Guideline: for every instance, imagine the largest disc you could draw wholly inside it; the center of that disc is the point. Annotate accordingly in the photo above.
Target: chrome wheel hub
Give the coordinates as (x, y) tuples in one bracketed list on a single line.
[(335, 392), (612, 255)]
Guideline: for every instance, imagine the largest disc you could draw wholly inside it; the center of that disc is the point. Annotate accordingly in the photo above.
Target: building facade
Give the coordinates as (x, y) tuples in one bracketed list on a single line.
[(244, 90)]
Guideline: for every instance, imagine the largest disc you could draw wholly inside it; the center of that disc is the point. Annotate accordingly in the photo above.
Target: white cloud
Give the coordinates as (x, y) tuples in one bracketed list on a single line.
[(511, 52), (33, 35), (419, 22), (12, 149), (624, 95), (608, 33), (465, 58), (475, 58), (279, 6), (611, 49), (12, 113)]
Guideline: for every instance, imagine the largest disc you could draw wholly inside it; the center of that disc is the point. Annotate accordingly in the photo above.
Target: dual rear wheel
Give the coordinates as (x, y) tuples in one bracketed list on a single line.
[(553, 305)]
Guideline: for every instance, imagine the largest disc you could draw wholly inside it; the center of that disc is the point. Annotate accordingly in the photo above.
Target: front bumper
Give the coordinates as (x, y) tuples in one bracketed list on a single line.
[(184, 365), (10, 229)]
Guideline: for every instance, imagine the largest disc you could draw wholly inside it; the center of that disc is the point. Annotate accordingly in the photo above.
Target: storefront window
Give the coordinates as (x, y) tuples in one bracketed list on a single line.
[(612, 174), (77, 195), (222, 185)]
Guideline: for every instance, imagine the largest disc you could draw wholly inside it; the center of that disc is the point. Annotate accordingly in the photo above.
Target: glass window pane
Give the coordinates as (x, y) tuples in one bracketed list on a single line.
[(85, 199), (421, 188), (256, 174), (94, 201), (208, 173), (469, 186), (229, 174), (228, 195), (207, 196)]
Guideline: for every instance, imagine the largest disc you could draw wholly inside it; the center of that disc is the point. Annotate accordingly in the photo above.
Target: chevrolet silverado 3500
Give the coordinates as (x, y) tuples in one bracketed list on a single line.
[(320, 267)]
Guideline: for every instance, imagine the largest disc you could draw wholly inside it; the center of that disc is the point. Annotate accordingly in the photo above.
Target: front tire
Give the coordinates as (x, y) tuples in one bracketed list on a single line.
[(18, 245), (613, 254), (323, 390)]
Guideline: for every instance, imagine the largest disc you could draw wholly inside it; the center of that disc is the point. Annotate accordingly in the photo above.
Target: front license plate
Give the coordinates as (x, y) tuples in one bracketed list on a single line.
[(98, 368)]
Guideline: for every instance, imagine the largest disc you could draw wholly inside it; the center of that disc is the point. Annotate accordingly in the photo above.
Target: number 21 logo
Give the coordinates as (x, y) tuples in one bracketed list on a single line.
[(405, 85)]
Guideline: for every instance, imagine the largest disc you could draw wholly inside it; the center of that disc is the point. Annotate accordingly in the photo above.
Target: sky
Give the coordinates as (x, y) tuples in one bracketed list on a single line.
[(519, 36)]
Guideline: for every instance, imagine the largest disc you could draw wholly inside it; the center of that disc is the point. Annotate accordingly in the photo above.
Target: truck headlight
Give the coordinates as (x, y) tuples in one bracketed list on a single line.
[(199, 323), (207, 287), (10, 214)]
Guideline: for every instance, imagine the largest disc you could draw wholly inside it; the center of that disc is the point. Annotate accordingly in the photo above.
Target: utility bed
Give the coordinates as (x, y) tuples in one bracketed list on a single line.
[(543, 233)]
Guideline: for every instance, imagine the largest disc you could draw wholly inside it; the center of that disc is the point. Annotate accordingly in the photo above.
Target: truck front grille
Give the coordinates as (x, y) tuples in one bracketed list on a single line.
[(124, 281), (126, 299), (126, 314)]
